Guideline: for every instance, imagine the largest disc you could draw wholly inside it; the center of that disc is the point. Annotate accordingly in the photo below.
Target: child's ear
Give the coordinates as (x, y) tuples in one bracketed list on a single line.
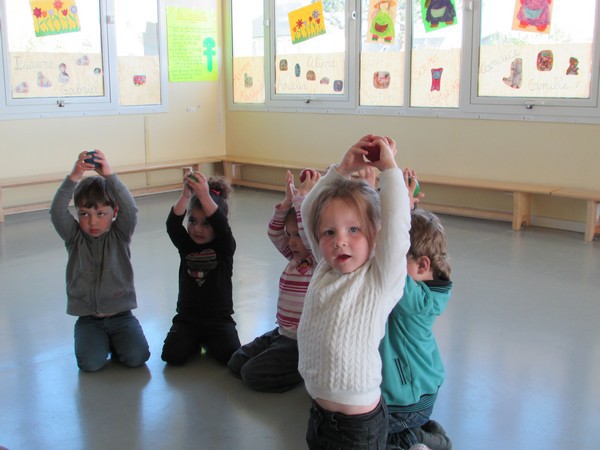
[(115, 211), (424, 264)]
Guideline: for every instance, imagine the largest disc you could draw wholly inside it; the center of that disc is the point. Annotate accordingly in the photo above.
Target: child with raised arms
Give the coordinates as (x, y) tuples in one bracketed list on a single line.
[(206, 247), (360, 238), (413, 370), (99, 275), (270, 362)]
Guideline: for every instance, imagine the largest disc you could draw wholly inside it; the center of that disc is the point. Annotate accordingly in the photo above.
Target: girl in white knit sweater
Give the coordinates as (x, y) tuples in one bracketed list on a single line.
[(360, 238)]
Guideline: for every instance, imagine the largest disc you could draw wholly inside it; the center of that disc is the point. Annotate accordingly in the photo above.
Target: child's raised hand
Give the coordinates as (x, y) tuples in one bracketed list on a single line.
[(387, 153), (311, 177), (410, 179), (354, 159), (101, 165), (368, 174), (290, 190), (197, 183)]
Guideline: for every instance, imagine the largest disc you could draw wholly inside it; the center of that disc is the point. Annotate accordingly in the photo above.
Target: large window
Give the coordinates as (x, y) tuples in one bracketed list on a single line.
[(80, 57), (523, 59)]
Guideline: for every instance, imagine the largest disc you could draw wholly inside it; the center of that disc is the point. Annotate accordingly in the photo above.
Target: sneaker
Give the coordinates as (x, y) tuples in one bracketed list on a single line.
[(433, 427), (433, 440), (419, 447)]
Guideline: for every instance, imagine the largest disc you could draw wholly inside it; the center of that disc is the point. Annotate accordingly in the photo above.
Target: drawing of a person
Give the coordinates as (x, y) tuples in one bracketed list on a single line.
[(440, 11), (63, 76), (535, 13), (382, 25)]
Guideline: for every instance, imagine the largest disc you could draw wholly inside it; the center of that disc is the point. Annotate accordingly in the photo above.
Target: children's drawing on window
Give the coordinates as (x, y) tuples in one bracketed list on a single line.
[(382, 17), (573, 68), (438, 14), (515, 78), (54, 17), (532, 15), (436, 79), (306, 22)]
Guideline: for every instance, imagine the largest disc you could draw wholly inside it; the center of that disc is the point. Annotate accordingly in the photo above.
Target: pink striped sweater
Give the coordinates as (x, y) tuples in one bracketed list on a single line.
[(296, 276)]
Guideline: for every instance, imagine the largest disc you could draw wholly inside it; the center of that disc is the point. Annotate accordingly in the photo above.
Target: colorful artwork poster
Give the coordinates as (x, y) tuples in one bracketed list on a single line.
[(192, 44), (532, 15), (54, 17), (307, 22), (438, 14), (382, 18)]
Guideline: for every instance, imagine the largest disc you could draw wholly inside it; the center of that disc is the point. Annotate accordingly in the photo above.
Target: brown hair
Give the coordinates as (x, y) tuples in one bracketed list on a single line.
[(219, 190), (357, 195), (94, 191), (428, 238)]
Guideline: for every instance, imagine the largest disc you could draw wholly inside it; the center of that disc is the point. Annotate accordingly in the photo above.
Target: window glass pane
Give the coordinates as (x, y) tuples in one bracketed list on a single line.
[(436, 52), (138, 53), (55, 49), (248, 51), (383, 49), (534, 48), (310, 51)]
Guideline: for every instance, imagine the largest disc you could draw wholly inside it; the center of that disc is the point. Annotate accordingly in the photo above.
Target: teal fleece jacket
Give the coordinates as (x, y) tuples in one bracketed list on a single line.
[(412, 367)]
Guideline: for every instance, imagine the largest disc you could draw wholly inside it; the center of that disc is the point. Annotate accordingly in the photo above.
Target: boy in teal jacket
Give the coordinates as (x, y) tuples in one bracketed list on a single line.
[(412, 367)]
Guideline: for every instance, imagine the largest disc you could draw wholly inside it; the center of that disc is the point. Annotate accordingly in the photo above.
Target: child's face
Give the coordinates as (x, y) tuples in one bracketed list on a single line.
[(342, 238), (96, 221), (294, 239), (198, 227)]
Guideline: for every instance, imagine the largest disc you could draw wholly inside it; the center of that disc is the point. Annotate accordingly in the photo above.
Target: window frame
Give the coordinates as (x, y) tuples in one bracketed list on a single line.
[(107, 104), (470, 105)]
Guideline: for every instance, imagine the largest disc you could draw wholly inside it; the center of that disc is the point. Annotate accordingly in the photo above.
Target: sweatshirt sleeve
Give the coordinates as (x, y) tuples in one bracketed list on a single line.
[(393, 238), (276, 231), (127, 215), (63, 221)]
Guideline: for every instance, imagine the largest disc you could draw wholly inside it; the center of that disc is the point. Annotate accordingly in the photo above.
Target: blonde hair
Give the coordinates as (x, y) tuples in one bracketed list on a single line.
[(359, 196), (428, 238)]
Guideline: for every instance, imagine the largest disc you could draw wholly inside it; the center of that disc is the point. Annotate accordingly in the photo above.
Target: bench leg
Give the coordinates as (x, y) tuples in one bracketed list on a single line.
[(592, 225), (232, 171), (521, 210), (1, 207)]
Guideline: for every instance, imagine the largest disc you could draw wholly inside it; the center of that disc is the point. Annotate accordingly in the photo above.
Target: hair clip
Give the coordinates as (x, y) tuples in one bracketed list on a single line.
[(216, 192)]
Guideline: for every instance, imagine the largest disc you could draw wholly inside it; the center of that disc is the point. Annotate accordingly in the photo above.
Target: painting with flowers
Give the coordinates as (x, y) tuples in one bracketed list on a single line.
[(54, 17), (306, 22)]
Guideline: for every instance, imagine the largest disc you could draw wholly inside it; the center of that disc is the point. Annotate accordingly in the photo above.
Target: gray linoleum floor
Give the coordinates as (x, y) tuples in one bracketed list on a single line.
[(520, 340)]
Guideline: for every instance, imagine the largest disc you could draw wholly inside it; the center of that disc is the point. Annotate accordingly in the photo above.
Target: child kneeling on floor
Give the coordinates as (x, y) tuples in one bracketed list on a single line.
[(100, 288)]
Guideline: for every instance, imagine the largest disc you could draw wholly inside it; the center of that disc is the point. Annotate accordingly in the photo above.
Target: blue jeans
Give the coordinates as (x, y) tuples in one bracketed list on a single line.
[(401, 423), (335, 431), (121, 335), (268, 364)]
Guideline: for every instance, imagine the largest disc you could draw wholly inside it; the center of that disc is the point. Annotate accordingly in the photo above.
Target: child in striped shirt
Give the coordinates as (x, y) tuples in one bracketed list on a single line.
[(270, 362)]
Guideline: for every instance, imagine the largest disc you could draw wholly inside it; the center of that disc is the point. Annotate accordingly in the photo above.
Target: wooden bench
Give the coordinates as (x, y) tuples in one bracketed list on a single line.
[(233, 171), (37, 180), (521, 193), (592, 199)]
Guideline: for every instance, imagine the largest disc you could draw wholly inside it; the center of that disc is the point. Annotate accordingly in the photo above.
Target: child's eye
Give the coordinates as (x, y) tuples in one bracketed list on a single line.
[(327, 233), (354, 229)]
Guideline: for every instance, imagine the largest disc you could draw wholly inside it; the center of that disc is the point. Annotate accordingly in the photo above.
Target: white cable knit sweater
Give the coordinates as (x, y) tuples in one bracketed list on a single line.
[(344, 315)]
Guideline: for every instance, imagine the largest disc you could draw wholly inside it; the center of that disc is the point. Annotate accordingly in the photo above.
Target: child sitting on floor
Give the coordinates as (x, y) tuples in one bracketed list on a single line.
[(360, 238), (270, 362), (206, 247)]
